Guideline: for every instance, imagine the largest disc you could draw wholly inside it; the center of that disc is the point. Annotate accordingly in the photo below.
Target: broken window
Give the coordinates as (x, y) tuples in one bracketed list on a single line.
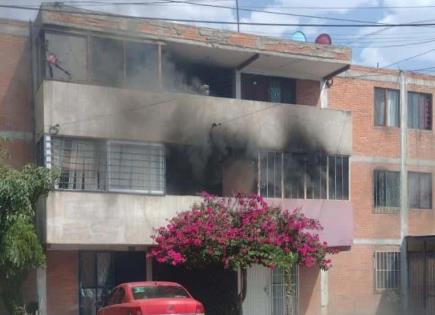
[(268, 89), (65, 57), (419, 111), (420, 190), (386, 190), (387, 270), (387, 107), (136, 167), (294, 176)]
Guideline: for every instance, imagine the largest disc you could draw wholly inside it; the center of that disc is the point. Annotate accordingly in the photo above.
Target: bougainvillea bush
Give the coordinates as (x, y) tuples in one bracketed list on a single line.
[(239, 232)]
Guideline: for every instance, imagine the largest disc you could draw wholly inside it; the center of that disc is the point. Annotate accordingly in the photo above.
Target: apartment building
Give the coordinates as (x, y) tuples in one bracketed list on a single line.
[(140, 116)]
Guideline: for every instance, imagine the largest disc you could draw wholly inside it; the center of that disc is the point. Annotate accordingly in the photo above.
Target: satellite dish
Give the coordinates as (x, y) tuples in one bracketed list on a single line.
[(324, 39), (299, 37)]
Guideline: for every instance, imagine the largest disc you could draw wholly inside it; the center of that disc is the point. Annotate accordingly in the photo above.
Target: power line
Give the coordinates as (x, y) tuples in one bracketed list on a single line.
[(368, 25)]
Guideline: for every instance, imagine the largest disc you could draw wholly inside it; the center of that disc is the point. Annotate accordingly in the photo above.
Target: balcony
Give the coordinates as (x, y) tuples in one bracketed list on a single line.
[(69, 218)]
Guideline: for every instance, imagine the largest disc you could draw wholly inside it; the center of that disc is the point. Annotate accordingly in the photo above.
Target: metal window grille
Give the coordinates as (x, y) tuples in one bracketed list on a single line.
[(93, 165), (386, 191), (299, 176), (279, 294), (136, 167), (387, 270)]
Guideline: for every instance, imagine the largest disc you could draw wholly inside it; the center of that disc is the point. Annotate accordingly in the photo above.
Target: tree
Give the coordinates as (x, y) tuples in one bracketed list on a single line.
[(20, 248), (239, 232)]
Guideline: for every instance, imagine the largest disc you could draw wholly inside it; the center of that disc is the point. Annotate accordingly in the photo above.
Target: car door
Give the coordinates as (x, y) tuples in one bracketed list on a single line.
[(112, 303)]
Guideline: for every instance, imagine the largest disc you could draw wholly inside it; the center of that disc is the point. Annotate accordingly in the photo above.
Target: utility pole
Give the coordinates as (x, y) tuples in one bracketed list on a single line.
[(403, 190), (238, 17)]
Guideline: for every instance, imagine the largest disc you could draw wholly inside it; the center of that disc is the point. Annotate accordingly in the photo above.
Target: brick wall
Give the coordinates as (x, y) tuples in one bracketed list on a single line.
[(62, 283), (308, 92), (16, 113)]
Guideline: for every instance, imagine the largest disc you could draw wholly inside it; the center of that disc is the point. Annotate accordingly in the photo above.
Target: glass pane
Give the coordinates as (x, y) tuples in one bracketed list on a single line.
[(392, 189), (87, 270), (393, 108), (141, 61), (380, 107), (413, 190), (66, 57), (316, 177), (294, 176), (107, 60), (104, 266), (426, 191)]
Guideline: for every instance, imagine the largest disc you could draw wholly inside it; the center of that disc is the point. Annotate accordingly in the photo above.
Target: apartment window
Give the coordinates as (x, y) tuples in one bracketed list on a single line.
[(387, 270), (107, 60), (279, 292), (66, 57), (338, 176), (419, 111), (420, 190), (268, 89), (302, 176), (82, 163), (271, 164), (386, 190), (97, 165), (140, 65), (387, 107), (136, 167)]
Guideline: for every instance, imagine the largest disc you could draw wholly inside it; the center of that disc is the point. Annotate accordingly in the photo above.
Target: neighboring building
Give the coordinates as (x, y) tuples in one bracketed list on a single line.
[(141, 116)]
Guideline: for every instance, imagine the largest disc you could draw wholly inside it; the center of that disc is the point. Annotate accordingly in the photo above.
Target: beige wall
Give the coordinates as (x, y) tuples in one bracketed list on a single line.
[(103, 112), (108, 218)]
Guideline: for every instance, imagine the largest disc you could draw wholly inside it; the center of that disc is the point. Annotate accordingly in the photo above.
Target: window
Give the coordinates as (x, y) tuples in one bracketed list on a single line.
[(136, 167), (387, 107), (66, 57), (420, 190), (81, 163), (302, 176), (117, 166), (279, 292), (419, 111), (387, 270), (386, 190), (140, 65), (162, 291), (107, 60), (268, 89)]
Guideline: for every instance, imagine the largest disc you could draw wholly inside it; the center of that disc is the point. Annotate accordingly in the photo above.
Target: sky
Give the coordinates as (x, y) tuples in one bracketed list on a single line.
[(414, 47)]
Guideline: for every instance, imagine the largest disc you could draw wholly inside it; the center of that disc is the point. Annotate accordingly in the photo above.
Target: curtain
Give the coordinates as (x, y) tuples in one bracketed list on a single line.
[(380, 107), (393, 108)]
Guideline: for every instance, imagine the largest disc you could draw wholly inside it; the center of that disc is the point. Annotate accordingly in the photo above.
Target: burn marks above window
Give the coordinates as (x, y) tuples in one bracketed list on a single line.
[(302, 176)]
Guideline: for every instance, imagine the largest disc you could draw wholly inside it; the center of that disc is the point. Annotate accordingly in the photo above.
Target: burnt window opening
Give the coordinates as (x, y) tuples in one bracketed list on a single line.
[(192, 170), (419, 111), (268, 89), (420, 190), (387, 107), (303, 176), (183, 76), (101, 60), (386, 191)]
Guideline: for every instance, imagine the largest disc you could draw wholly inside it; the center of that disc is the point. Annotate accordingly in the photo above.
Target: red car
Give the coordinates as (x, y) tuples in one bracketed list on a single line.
[(151, 298)]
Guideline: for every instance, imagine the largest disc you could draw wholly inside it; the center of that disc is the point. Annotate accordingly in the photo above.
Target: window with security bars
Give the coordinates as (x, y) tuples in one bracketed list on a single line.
[(279, 293), (387, 270), (302, 176), (136, 167), (386, 191), (96, 165)]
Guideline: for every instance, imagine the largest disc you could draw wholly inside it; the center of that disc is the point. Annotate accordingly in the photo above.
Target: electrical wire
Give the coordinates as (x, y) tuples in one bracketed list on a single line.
[(367, 25)]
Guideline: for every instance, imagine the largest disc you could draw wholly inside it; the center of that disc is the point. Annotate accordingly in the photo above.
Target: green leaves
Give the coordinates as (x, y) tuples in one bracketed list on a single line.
[(20, 248)]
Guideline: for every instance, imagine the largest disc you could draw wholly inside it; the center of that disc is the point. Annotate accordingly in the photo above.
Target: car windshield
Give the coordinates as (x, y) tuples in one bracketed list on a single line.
[(148, 292)]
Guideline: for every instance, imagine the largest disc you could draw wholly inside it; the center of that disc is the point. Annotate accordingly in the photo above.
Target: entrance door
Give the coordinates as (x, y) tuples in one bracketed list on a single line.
[(266, 294)]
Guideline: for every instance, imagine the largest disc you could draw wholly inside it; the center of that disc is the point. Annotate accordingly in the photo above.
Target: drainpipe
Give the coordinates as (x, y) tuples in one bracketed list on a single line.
[(403, 189)]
